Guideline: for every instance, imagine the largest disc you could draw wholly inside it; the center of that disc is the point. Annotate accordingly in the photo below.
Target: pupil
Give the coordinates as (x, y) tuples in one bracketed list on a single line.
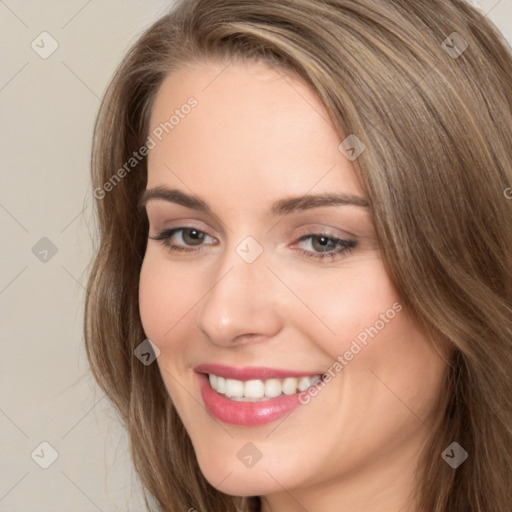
[(322, 241), (194, 235)]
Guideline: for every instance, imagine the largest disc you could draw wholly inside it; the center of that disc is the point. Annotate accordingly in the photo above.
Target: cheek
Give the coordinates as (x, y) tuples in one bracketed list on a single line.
[(166, 301), (357, 319), (150, 300), (344, 304), (165, 296)]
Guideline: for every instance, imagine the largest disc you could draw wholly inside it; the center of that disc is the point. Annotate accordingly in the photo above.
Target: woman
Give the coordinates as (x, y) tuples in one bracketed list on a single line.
[(303, 205)]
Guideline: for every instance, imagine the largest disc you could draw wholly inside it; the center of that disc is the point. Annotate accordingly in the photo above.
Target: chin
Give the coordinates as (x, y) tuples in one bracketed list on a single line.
[(239, 481)]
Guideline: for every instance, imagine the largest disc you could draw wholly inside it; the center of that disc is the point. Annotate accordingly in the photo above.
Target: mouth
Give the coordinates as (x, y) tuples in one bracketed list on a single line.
[(260, 390), (251, 396)]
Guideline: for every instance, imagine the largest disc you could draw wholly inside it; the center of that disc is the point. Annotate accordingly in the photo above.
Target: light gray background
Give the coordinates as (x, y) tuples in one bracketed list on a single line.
[(47, 109)]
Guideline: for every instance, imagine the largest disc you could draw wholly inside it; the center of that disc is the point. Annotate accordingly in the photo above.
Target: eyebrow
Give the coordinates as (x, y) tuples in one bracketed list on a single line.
[(279, 207)]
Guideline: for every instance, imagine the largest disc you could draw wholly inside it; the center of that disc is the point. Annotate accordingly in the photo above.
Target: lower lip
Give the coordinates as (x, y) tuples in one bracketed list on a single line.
[(245, 413)]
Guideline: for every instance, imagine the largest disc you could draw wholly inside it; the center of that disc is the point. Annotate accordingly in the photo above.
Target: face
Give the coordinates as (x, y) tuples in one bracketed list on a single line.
[(263, 270)]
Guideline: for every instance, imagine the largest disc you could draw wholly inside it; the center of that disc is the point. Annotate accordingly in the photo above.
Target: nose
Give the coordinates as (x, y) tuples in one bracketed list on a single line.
[(242, 304)]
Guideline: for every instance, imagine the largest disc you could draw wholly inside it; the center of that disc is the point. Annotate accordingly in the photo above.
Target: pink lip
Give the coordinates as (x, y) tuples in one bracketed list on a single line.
[(245, 413), (250, 372)]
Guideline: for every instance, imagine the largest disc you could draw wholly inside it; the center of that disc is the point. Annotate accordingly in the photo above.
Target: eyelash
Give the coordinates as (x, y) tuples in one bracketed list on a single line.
[(346, 246)]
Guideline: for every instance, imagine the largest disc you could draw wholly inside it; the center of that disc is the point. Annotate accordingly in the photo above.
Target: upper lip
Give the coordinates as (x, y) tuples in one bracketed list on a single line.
[(250, 372)]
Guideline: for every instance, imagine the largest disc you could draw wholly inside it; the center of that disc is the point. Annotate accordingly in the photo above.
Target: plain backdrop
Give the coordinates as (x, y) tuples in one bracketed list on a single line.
[(57, 59)]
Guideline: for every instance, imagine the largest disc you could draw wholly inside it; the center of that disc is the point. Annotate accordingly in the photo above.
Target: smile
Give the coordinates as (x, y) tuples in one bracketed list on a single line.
[(253, 390), (251, 396)]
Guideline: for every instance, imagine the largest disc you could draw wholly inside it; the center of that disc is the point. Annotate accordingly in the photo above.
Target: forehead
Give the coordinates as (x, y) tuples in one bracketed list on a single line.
[(251, 124)]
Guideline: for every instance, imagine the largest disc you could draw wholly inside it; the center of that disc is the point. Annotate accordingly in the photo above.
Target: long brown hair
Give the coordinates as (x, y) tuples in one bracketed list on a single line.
[(427, 87)]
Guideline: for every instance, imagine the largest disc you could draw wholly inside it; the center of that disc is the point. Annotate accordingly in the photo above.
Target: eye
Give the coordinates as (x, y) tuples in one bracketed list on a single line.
[(178, 239), (323, 247), (320, 246)]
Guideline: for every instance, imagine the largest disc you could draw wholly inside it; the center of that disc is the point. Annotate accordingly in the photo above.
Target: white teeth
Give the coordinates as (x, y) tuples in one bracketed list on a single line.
[(255, 389), (290, 386), (304, 383), (314, 379), (273, 388), (234, 388), (221, 384)]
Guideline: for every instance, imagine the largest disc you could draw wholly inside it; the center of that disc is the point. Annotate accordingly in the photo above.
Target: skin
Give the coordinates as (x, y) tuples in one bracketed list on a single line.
[(258, 135)]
